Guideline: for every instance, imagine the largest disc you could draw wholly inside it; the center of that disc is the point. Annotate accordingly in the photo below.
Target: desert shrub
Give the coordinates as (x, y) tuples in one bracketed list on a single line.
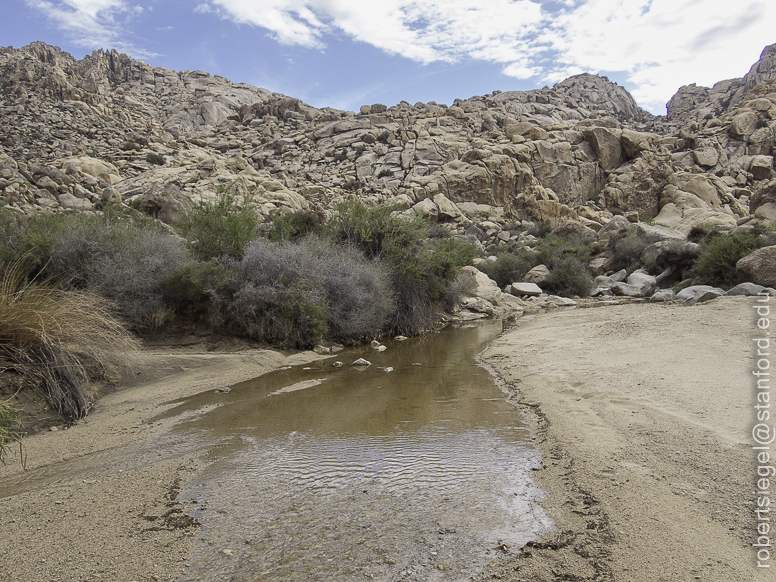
[(456, 292), (121, 259), (510, 267), (12, 228), (223, 227), (385, 173), (294, 225), (565, 257), (539, 229), (155, 159), (130, 146), (377, 232), (48, 335), (717, 262), (702, 233), (293, 293), (340, 156), (568, 277), (436, 231), (187, 289), (420, 272), (625, 249)]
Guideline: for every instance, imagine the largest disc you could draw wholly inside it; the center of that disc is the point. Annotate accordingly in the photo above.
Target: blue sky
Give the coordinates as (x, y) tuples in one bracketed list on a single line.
[(347, 53)]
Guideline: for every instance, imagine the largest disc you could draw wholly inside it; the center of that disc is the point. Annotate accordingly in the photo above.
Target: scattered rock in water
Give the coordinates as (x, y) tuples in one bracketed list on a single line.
[(389, 369), (223, 389), (361, 362), (400, 338), (337, 364)]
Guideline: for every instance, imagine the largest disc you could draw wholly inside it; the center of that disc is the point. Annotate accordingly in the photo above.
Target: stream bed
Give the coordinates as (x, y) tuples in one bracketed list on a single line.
[(413, 468)]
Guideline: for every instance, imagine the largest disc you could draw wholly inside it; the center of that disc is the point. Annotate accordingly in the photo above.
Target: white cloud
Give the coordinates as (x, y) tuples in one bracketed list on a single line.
[(656, 45), (93, 23)]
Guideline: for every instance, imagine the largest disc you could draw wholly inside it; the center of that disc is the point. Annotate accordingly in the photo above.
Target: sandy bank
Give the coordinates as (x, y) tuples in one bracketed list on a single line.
[(92, 510), (643, 414)]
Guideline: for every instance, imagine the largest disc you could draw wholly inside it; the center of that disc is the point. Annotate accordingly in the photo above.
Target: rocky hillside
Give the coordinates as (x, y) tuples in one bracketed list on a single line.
[(77, 133)]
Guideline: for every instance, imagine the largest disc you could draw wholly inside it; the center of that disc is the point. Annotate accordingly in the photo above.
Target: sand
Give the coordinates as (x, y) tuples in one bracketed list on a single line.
[(93, 515), (642, 413)]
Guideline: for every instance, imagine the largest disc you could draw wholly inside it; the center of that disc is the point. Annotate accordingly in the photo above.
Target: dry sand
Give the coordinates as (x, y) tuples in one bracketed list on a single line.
[(644, 417), (642, 413)]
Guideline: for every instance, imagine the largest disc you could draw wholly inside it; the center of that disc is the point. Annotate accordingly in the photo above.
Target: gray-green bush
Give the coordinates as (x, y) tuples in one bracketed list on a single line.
[(293, 293)]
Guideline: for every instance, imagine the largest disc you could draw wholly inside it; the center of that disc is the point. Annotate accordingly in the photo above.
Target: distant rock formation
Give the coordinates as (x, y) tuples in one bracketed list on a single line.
[(78, 133)]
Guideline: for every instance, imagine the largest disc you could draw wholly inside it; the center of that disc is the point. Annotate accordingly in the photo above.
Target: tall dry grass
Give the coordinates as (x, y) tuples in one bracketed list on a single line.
[(49, 336)]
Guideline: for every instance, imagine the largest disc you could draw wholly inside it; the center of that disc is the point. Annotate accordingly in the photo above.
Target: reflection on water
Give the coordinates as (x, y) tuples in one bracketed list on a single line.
[(327, 473), (338, 474)]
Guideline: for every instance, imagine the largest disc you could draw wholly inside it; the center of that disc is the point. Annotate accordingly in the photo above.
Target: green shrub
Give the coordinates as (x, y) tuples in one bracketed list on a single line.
[(130, 146), (220, 228), (565, 257), (420, 272), (156, 159), (294, 225), (510, 267), (188, 288), (569, 277), (717, 263), (340, 156), (625, 249)]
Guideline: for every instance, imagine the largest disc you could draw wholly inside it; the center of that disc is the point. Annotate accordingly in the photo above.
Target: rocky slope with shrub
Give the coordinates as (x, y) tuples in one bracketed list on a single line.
[(629, 190)]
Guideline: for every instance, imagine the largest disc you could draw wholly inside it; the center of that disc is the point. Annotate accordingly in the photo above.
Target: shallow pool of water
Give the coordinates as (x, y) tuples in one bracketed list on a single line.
[(338, 473)]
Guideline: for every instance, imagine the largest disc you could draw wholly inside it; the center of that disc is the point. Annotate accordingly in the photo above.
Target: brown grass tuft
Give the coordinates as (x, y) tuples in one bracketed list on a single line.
[(47, 335)]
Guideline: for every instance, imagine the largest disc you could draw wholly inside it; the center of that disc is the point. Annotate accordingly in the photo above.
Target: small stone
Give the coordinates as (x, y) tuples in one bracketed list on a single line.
[(337, 364), (361, 362)]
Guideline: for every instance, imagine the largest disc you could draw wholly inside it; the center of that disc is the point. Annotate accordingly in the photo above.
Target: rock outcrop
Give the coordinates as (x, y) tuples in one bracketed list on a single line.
[(77, 134)]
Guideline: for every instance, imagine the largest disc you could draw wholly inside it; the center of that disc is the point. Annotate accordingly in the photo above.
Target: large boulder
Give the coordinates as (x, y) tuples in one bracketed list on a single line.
[(759, 267), (606, 145), (645, 282), (539, 274), (481, 285)]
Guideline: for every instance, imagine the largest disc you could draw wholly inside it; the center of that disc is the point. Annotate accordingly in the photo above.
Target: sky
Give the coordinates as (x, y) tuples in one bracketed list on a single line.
[(348, 53)]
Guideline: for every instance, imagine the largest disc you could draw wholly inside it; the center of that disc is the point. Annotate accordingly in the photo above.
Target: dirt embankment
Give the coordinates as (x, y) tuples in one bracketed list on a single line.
[(644, 418)]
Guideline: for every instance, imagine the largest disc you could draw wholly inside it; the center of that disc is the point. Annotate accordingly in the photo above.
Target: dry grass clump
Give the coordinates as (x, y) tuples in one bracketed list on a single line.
[(9, 424), (48, 336)]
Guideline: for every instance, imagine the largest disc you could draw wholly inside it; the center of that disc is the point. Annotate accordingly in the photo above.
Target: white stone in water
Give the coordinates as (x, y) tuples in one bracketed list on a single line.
[(362, 362), (381, 348), (337, 364), (389, 369)]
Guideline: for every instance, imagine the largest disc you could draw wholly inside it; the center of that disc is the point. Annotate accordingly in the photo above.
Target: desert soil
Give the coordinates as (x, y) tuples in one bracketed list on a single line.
[(642, 414)]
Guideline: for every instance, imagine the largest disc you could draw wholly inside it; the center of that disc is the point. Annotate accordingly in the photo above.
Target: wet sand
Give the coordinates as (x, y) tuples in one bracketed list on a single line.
[(643, 414)]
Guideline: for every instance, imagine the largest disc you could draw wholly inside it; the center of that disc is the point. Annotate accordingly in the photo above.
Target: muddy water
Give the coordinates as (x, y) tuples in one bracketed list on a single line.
[(339, 474), (326, 473)]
